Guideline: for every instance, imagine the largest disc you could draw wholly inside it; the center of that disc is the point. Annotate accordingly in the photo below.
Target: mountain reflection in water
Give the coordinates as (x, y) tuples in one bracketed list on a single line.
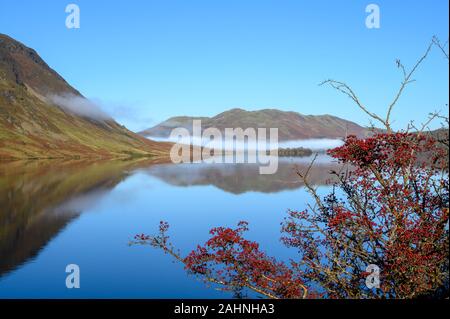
[(241, 178), (40, 199)]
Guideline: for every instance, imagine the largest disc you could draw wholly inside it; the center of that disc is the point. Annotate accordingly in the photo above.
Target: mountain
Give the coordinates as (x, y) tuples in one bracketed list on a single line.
[(291, 125), (42, 116)]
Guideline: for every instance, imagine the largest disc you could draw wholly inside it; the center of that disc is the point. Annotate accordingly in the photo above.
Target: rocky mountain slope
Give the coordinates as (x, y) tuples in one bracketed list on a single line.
[(33, 125)]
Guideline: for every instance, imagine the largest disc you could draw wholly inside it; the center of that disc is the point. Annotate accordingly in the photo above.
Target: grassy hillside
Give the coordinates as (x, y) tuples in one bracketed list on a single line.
[(291, 125), (33, 127)]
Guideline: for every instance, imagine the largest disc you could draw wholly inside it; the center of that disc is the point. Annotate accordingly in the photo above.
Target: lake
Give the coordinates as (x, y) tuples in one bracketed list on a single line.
[(55, 213)]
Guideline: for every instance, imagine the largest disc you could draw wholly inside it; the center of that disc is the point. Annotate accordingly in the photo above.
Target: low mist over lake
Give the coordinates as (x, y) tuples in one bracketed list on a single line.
[(312, 144)]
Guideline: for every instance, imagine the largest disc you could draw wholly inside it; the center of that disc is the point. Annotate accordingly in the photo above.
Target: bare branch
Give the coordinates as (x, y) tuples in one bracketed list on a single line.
[(441, 46), (406, 80), (345, 89)]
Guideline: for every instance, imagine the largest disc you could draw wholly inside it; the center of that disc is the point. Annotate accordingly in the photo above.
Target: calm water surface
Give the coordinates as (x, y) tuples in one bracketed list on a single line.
[(57, 213)]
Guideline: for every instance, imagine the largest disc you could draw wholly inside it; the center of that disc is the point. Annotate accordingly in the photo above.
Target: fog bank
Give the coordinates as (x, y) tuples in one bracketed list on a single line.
[(312, 144), (80, 106)]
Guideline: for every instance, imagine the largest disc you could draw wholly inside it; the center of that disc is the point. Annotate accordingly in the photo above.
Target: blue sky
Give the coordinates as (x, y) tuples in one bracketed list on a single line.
[(147, 60)]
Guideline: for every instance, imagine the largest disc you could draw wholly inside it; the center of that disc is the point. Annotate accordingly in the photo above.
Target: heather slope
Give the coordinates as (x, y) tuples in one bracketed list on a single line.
[(291, 125), (31, 126)]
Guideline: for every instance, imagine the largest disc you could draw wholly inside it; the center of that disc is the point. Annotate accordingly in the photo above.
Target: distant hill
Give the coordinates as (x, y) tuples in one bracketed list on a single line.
[(42, 116), (291, 125)]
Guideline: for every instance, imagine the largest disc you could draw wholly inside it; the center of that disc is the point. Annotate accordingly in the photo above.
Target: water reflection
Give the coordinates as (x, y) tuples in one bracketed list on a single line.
[(242, 178), (41, 199)]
